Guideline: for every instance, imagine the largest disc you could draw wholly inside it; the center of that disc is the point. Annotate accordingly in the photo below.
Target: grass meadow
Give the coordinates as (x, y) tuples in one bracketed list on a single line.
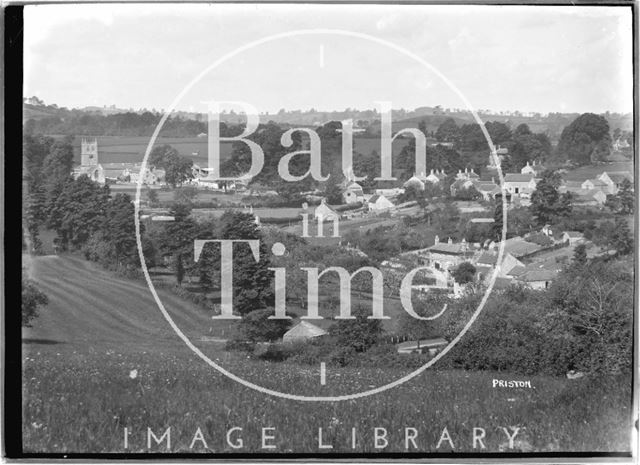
[(101, 358)]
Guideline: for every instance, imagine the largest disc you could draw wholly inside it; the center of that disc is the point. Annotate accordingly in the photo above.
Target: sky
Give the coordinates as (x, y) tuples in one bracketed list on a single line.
[(527, 58)]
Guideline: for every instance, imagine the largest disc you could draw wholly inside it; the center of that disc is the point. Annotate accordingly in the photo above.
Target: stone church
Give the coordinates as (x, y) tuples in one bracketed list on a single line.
[(89, 161)]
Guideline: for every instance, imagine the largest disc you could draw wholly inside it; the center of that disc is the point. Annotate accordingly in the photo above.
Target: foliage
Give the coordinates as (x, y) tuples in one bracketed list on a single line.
[(547, 204), (448, 131), (177, 168), (256, 326), (585, 140), (32, 299), (464, 273), (623, 202), (359, 333)]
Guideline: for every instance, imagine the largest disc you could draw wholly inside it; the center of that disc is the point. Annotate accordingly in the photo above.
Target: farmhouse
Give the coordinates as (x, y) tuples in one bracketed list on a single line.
[(591, 184), (614, 180), (303, 331)]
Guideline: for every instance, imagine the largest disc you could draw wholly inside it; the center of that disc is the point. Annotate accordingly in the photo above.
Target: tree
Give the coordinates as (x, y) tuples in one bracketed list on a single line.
[(257, 327), (499, 132), (359, 333), (119, 230), (623, 202), (251, 279), (179, 269), (464, 273), (79, 211), (622, 240), (580, 255), (448, 131), (177, 168), (546, 202), (32, 299), (333, 192), (498, 219), (152, 196), (585, 140)]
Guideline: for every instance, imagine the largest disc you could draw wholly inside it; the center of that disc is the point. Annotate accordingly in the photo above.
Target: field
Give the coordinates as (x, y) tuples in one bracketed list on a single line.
[(81, 391), (592, 171), (114, 149)]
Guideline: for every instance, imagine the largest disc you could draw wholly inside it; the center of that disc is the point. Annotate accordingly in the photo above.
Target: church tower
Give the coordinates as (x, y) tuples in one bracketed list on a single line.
[(89, 152)]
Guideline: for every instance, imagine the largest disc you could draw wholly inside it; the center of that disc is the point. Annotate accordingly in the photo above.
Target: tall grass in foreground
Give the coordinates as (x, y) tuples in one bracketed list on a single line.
[(81, 402)]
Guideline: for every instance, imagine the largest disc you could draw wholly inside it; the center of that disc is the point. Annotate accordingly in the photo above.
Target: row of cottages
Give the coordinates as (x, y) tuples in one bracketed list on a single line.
[(536, 168), (419, 181), (201, 178)]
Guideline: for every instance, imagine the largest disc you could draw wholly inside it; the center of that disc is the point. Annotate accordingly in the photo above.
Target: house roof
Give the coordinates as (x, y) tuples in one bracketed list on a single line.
[(110, 173), (537, 275), (352, 186), (450, 249), (597, 182), (518, 177), (305, 329), (428, 343), (576, 234), (482, 220), (487, 258), (484, 186), (518, 247)]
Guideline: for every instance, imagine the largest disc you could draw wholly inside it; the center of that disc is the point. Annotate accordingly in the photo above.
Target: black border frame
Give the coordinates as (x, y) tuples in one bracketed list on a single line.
[(12, 74)]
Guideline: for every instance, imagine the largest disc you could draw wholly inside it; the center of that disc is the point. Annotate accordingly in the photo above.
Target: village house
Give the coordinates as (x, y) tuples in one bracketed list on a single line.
[(501, 153), (614, 180), (379, 203), (324, 212), (415, 182), (353, 193), (446, 255), (592, 184), (520, 185), (573, 237)]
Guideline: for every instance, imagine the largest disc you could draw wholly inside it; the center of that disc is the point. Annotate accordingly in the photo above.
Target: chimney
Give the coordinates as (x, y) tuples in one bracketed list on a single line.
[(465, 170), (437, 240), (450, 241), (431, 172), (493, 180), (472, 170)]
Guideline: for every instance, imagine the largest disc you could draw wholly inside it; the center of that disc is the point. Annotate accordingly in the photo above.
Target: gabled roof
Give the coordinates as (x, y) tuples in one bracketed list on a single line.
[(304, 329), (353, 186), (575, 234), (518, 177)]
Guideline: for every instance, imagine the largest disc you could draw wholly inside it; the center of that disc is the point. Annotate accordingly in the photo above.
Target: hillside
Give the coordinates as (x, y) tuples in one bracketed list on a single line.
[(88, 305)]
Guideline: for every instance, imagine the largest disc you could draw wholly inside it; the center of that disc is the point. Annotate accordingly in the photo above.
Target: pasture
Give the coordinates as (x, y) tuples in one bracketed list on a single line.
[(101, 358), (122, 149)]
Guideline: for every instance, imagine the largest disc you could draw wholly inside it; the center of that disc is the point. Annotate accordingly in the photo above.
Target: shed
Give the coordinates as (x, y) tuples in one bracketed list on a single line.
[(302, 332), (430, 346)]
